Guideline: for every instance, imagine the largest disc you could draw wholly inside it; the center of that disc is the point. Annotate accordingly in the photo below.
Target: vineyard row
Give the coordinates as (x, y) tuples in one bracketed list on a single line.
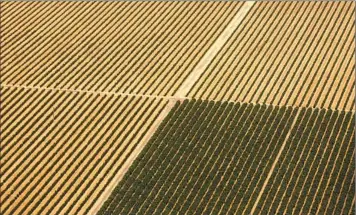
[(213, 157)]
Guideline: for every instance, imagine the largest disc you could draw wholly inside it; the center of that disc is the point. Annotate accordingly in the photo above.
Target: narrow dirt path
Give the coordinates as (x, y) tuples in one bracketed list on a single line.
[(91, 92), (275, 162), (213, 50), (108, 190)]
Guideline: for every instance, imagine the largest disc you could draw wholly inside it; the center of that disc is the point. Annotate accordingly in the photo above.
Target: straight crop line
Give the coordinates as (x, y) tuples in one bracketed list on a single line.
[(213, 50), (109, 189), (275, 162)]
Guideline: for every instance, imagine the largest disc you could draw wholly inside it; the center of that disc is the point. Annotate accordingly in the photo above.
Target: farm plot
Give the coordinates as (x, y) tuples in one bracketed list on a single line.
[(287, 53), (316, 172), (144, 47), (60, 149), (205, 158)]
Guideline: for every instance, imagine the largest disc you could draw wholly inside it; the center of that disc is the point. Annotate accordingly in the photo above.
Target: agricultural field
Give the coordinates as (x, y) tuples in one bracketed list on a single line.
[(316, 172), (144, 47), (205, 158), (215, 157), (60, 150), (172, 107), (287, 53)]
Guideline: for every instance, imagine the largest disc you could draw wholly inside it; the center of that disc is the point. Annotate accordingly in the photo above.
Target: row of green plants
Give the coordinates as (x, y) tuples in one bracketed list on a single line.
[(187, 156), (197, 197), (324, 167), (304, 173), (343, 172), (201, 145), (204, 158), (260, 162), (308, 162), (93, 199), (244, 178), (291, 150), (156, 167), (92, 196), (149, 153)]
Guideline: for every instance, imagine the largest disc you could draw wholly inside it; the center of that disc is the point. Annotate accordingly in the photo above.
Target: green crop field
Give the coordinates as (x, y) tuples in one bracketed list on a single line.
[(213, 158), (315, 174)]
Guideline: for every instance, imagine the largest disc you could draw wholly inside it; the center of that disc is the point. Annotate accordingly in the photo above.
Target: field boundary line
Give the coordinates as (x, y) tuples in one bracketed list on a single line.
[(176, 98), (275, 162), (110, 188), (213, 50), (93, 92)]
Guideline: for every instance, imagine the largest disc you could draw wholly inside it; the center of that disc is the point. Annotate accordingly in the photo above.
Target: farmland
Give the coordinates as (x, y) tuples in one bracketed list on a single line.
[(213, 158), (59, 158), (200, 160), (177, 107), (130, 47), (315, 174), (297, 54)]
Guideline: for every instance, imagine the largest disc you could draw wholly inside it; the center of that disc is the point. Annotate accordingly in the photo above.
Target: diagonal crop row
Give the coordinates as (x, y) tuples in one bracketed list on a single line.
[(203, 150)]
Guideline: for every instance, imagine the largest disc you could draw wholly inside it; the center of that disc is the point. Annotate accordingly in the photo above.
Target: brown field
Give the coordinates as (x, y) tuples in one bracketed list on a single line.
[(298, 54), (131, 47), (60, 149)]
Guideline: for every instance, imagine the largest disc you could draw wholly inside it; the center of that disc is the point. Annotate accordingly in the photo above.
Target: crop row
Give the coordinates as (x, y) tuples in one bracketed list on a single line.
[(316, 168), (206, 157), (292, 53), (133, 47), (62, 149)]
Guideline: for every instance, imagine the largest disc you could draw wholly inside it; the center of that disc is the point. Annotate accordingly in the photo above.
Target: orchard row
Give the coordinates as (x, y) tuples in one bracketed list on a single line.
[(214, 157)]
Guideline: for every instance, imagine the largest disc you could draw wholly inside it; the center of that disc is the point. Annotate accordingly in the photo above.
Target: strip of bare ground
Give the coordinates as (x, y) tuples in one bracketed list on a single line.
[(275, 162), (213, 50), (113, 183)]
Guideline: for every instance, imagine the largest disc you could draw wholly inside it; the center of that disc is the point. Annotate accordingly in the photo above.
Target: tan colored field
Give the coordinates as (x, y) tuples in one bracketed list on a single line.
[(287, 53), (60, 149), (131, 47), (84, 85)]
